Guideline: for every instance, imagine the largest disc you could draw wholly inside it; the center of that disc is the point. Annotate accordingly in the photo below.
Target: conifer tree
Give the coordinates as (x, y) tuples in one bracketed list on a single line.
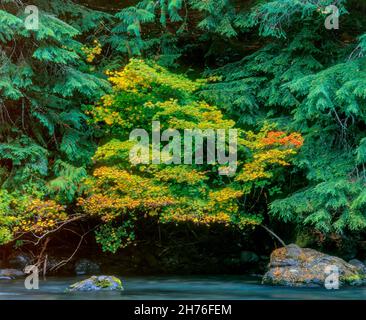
[(44, 82)]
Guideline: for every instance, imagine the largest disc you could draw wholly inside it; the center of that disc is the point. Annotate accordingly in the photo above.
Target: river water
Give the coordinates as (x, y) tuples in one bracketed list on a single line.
[(174, 287)]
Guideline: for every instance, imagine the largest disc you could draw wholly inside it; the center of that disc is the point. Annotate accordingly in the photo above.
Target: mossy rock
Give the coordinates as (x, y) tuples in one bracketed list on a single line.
[(97, 283), (302, 267)]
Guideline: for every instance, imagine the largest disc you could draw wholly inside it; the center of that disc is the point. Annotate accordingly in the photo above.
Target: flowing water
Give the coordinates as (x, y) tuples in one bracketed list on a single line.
[(175, 287)]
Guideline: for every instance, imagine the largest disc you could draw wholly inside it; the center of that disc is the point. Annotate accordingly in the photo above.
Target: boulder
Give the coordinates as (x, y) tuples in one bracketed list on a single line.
[(98, 283), (19, 261), (358, 264), (86, 267), (6, 274), (248, 257), (302, 267)]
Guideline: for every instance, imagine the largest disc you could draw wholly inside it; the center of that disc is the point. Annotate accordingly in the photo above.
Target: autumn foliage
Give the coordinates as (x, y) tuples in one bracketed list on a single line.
[(120, 193)]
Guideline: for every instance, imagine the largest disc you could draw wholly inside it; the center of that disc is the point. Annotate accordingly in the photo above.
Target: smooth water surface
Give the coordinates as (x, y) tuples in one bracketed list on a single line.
[(175, 287)]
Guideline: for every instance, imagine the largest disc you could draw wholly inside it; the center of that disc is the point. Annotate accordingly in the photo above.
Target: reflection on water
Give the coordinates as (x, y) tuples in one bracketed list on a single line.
[(163, 288)]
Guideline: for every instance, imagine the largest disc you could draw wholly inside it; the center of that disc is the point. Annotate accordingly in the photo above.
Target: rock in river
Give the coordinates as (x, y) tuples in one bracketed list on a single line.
[(98, 283), (358, 264), (86, 267), (294, 266), (19, 260), (248, 257), (6, 274)]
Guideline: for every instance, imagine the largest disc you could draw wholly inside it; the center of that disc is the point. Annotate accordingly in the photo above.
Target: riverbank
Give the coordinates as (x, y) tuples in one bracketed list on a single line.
[(167, 250)]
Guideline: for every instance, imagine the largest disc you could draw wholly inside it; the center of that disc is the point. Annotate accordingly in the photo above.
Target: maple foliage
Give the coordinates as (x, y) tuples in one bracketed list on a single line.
[(120, 192)]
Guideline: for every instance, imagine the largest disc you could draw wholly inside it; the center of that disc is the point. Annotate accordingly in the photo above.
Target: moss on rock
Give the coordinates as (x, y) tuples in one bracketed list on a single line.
[(297, 267), (98, 283)]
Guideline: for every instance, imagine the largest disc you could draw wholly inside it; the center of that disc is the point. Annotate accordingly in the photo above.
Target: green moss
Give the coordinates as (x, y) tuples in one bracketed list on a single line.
[(118, 281), (103, 283), (106, 283), (352, 279)]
